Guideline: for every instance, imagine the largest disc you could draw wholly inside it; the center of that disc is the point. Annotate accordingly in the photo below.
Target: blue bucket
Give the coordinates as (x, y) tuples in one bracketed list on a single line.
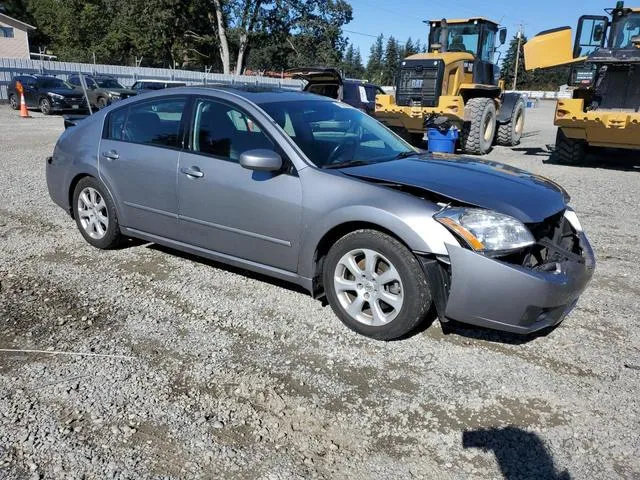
[(442, 142)]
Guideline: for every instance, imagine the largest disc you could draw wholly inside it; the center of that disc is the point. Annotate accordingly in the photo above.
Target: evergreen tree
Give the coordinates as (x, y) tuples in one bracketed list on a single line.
[(374, 65), (409, 48), (357, 62), (508, 67), (390, 63), (540, 79), (351, 64)]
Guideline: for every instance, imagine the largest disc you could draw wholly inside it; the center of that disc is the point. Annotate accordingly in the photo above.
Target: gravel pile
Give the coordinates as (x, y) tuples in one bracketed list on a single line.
[(200, 370)]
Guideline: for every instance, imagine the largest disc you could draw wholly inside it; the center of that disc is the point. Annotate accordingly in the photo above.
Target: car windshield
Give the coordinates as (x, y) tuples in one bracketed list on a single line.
[(333, 134), (108, 83), (625, 29), (54, 83)]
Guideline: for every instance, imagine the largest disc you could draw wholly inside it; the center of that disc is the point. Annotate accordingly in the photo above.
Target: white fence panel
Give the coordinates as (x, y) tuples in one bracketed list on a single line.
[(9, 67)]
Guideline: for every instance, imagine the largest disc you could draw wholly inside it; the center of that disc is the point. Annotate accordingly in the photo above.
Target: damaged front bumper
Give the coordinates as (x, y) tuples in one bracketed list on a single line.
[(492, 293)]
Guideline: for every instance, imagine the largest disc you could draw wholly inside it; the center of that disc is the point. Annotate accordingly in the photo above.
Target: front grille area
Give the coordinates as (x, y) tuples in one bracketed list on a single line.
[(556, 242), (618, 87), (420, 83)]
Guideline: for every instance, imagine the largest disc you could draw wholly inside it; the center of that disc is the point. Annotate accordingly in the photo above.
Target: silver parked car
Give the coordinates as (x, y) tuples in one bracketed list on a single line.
[(310, 190)]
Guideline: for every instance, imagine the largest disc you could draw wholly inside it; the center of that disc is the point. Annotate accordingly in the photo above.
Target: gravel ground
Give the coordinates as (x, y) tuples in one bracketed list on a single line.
[(214, 372)]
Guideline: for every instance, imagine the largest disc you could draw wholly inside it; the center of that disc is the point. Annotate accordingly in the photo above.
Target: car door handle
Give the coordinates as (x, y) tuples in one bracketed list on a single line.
[(194, 172), (111, 155)]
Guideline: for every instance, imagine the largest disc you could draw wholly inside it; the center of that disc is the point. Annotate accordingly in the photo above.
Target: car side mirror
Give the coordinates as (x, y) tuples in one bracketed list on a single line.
[(502, 36), (261, 160)]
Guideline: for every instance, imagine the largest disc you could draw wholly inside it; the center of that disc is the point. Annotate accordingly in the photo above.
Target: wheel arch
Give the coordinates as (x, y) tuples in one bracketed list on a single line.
[(508, 105), (72, 187), (331, 237), (469, 93)]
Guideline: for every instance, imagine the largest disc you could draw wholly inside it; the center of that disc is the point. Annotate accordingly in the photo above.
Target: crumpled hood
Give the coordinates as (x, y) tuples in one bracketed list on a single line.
[(529, 198)]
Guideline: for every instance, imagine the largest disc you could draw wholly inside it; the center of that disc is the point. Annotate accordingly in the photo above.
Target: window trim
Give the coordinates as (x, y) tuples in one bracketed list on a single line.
[(11, 30), (180, 137), (287, 165)]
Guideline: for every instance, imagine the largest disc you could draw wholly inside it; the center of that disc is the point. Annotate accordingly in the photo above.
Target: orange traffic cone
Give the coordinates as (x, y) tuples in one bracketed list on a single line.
[(24, 113)]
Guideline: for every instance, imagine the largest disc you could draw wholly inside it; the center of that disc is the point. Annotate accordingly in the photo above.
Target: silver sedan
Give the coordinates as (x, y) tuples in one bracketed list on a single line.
[(311, 191)]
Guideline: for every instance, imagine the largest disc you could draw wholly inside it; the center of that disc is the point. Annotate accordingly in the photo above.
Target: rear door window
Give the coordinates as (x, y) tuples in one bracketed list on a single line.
[(157, 122)]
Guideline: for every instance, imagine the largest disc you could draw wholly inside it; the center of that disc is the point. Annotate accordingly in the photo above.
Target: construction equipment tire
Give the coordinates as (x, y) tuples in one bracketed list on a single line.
[(569, 151), (479, 126), (509, 133)]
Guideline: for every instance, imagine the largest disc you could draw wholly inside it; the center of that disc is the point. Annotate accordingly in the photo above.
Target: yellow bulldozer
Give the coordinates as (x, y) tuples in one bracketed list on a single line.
[(604, 75), (455, 83)]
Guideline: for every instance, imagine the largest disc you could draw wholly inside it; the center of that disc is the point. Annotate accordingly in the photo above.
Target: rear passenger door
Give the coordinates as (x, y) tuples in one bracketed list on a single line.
[(139, 159), (226, 208)]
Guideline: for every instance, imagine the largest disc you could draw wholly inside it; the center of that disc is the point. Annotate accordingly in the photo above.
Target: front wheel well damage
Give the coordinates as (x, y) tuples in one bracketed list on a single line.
[(330, 238)]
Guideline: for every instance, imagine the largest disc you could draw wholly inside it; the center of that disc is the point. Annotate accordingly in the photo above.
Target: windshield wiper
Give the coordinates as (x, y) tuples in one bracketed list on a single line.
[(408, 153), (350, 163)]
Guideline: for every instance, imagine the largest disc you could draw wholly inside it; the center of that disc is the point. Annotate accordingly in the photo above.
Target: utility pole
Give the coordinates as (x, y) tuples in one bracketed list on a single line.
[(515, 77)]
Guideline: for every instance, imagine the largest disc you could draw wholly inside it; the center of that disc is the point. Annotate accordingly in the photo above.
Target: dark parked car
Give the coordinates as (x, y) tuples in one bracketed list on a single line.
[(102, 89), (49, 94), (142, 86), (313, 191), (328, 82)]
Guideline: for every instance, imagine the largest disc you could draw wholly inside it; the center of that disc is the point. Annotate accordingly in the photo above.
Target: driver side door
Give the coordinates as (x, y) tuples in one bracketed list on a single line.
[(228, 209)]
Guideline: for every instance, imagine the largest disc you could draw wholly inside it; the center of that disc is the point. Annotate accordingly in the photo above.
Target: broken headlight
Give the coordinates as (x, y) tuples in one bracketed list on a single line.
[(486, 230)]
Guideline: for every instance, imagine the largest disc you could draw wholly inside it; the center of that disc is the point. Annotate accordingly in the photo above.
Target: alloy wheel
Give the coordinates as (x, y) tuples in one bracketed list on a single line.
[(368, 287), (93, 213)]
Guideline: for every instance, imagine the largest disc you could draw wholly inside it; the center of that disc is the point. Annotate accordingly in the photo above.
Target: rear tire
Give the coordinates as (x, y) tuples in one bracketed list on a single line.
[(479, 126), (14, 102), (569, 151), (366, 269), (95, 214), (509, 133)]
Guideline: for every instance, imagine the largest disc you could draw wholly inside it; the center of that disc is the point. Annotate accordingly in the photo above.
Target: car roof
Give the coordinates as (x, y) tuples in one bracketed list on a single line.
[(265, 94), (152, 80), (254, 93)]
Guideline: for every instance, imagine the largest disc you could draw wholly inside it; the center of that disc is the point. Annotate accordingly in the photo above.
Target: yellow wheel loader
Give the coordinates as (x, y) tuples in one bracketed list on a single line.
[(455, 83), (605, 74)]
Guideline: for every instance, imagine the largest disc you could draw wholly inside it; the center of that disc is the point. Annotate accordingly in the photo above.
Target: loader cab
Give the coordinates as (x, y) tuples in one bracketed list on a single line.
[(621, 32), (475, 36), (625, 28)]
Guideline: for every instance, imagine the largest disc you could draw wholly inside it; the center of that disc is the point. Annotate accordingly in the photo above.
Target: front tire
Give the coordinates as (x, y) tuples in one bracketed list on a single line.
[(45, 106), (569, 151), (510, 133), (479, 126), (375, 285), (95, 214), (13, 101)]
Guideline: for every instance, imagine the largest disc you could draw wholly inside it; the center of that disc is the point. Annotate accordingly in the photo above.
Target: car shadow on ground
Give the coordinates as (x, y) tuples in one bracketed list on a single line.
[(479, 333), (450, 328), (520, 454), (228, 268)]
